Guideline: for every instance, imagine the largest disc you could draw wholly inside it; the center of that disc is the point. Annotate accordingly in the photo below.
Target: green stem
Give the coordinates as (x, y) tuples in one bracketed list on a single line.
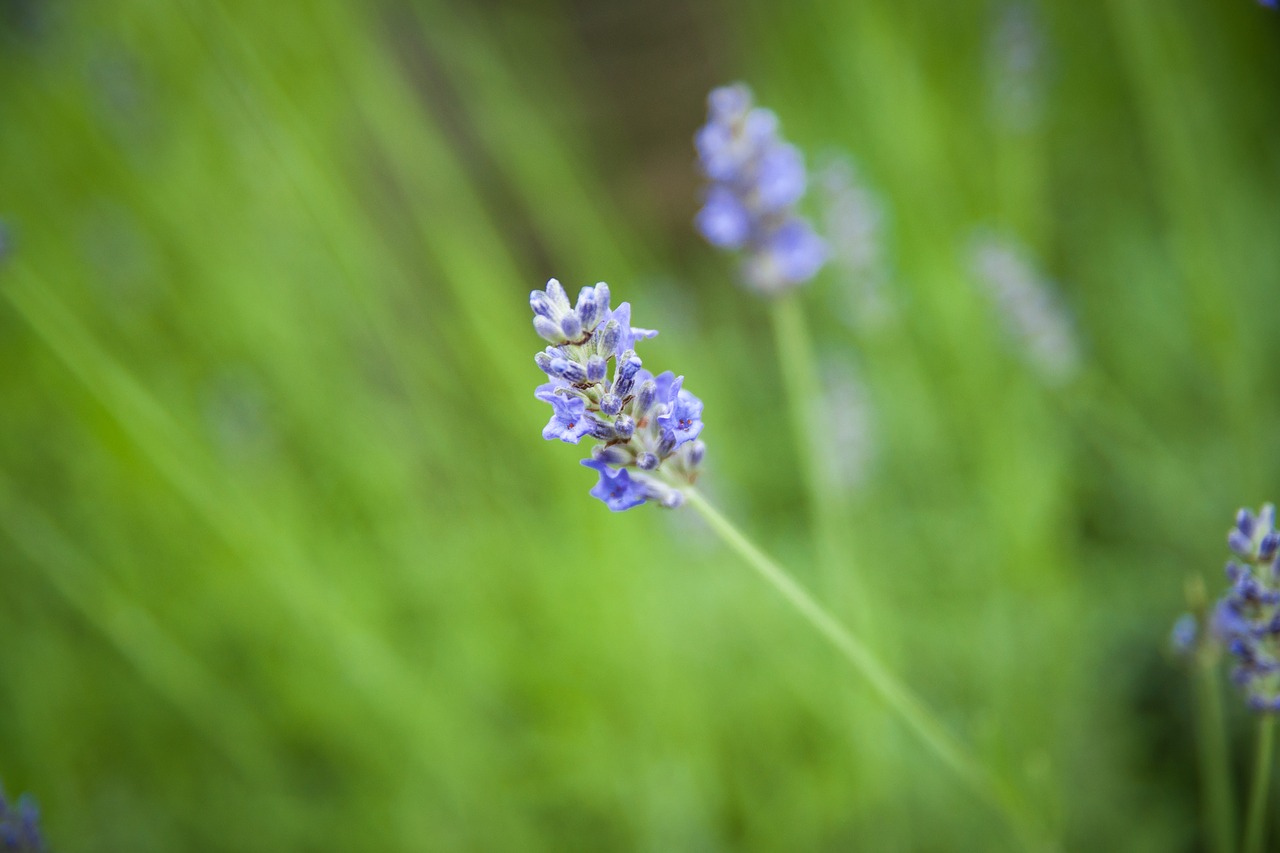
[(803, 389), (894, 693), (1214, 772), (1257, 820)]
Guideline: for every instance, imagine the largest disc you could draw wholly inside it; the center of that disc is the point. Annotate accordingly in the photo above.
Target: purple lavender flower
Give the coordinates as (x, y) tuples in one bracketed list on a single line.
[(19, 825), (569, 421), (597, 386), (616, 488), (756, 180), (1247, 618)]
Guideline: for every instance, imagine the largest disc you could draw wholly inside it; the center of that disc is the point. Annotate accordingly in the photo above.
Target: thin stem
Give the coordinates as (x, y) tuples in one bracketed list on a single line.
[(1215, 775), (1257, 820), (803, 389), (894, 693)]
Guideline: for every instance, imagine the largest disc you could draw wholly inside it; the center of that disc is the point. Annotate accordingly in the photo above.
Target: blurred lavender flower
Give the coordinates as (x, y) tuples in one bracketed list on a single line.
[(647, 425), (853, 226), (756, 180), (1270, 4), (1247, 617), (1030, 308), (846, 416), (1182, 639), (1014, 59), (19, 829)]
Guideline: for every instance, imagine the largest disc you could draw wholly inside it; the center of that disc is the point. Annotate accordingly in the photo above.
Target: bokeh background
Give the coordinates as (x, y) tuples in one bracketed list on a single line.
[(287, 566)]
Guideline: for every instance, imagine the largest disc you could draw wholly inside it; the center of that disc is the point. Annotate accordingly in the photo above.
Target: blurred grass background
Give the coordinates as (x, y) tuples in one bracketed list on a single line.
[(288, 567)]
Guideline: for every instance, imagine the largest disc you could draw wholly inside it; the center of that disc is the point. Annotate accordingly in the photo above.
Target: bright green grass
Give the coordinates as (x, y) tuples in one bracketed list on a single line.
[(287, 565)]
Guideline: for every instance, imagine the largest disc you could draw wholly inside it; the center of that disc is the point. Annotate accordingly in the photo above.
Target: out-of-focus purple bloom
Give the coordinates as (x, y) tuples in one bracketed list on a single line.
[(853, 226), (756, 180), (1182, 639), (1270, 4), (19, 825), (790, 255), (723, 220), (1030, 307), (1247, 618), (598, 388)]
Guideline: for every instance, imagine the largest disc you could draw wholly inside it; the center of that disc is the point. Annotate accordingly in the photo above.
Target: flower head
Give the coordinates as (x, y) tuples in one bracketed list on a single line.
[(1247, 618), (19, 825), (646, 426), (756, 180)]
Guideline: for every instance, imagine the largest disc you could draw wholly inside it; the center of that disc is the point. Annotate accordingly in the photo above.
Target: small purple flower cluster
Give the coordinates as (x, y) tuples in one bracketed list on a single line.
[(647, 425), (1247, 618), (19, 830), (756, 180)]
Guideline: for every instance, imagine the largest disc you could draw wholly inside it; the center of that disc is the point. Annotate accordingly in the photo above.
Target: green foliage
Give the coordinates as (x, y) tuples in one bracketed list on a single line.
[(287, 565)]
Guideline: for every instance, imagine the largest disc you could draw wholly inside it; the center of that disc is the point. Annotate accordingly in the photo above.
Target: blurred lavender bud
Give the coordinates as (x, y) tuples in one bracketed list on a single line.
[(625, 427), (611, 404), (645, 398), (610, 454), (646, 461), (547, 330), (1029, 307), (588, 309), (571, 326), (697, 450), (609, 337), (666, 444), (596, 369), (543, 361)]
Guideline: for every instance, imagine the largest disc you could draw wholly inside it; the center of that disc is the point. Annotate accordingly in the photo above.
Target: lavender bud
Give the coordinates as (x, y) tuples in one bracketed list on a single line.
[(696, 451), (672, 499), (603, 431), (547, 330), (625, 427), (1268, 547), (602, 297), (1239, 542), (588, 309), (610, 337), (541, 305), (610, 455), (667, 444), (622, 387), (1244, 522), (571, 326), (557, 294), (569, 371), (611, 404), (644, 398), (543, 361), (629, 364), (647, 461), (596, 369)]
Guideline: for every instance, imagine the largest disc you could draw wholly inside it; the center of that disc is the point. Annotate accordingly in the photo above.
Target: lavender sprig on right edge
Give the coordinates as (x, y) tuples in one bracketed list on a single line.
[(1247, 617)]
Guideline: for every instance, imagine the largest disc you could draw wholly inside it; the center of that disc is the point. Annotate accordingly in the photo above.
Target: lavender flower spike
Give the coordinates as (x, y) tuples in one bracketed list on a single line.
[(1247, 617), (645, 426), (756, 180)]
